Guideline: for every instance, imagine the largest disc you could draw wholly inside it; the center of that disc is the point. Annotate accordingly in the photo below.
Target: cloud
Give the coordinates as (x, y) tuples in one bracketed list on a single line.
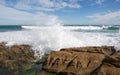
[(2, 2), (100, 2), (108, 18), (42, 5), (59, 3), (12, 16)]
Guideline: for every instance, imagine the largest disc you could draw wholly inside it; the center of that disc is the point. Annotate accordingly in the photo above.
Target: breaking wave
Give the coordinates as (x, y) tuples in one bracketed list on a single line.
[(76, 27), (45, 39)]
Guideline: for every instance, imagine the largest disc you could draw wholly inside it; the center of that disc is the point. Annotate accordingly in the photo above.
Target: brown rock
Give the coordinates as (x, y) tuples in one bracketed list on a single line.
[(114, 59), (110, 66), (77, 61), (107, 69), (108, 50), (2, 45), (16, 58)]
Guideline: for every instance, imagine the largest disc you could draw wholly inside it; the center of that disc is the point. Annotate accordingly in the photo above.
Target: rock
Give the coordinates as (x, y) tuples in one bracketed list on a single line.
[(77, 61), (110, 66), (2, 45), (16, 58), (107, 50)]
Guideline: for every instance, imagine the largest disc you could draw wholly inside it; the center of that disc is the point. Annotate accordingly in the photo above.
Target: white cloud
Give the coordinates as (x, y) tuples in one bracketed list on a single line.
[(100, 2), (108, 18), (10, 15), (45, 5), (59, 3)]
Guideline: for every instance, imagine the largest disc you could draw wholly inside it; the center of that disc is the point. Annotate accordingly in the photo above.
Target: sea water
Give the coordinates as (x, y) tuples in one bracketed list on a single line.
[(43, 39)]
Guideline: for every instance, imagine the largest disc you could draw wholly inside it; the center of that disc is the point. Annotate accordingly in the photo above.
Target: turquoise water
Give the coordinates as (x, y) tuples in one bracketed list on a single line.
[(99, 28), (10, 28), (76, 28)]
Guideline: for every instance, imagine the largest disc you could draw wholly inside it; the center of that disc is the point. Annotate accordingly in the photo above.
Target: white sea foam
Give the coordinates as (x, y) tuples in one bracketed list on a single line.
[(55, 38), (67, 27)]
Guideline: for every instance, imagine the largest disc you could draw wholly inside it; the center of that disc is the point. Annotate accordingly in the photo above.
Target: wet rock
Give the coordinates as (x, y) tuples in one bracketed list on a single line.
[(5, 71), (2, 45), (16, 58), (77, 61), (110, 66)]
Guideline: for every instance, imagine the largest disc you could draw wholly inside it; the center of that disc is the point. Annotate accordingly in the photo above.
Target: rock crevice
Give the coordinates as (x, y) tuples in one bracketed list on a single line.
[(84, 61)]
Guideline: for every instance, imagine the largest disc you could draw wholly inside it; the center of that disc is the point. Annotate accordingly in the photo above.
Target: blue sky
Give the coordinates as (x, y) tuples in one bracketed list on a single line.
[(48, 12)]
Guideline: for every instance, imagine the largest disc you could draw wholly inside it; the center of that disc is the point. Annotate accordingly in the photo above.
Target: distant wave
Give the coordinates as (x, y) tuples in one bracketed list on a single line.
[(31, 27), (113, 28), (64, 27), (75, 27), (4, 28)]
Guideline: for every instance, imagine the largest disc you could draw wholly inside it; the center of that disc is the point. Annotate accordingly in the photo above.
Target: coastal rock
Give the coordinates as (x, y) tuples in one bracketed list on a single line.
[(77, 61), (114, 59), (110, 66), (107, 50), (2, 45), (16, 58)]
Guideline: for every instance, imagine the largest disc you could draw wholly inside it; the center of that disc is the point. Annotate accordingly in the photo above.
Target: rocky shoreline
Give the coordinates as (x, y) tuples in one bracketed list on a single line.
[(19, 60), (104, 60), (16, 58)]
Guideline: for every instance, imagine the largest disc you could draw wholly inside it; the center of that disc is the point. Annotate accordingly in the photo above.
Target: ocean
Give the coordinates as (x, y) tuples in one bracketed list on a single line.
[(43, 39)]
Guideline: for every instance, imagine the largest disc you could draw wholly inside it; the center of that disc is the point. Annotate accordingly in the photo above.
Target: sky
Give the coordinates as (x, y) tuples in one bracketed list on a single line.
[(53, 12)]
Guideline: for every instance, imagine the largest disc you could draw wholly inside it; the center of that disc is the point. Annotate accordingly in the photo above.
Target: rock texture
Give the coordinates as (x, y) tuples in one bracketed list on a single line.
[(110, 66), (77, 61), (16, 58)]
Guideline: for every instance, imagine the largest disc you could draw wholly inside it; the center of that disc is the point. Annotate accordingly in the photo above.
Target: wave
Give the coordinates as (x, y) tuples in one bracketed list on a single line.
[(44, 39), (64, 27), (36, 27), (4, 28), (113, 28), (75, 27)]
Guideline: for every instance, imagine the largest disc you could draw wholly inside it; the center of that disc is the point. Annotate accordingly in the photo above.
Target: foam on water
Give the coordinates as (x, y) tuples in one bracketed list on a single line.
[(56, 37), (80, 27), (66, 27)]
